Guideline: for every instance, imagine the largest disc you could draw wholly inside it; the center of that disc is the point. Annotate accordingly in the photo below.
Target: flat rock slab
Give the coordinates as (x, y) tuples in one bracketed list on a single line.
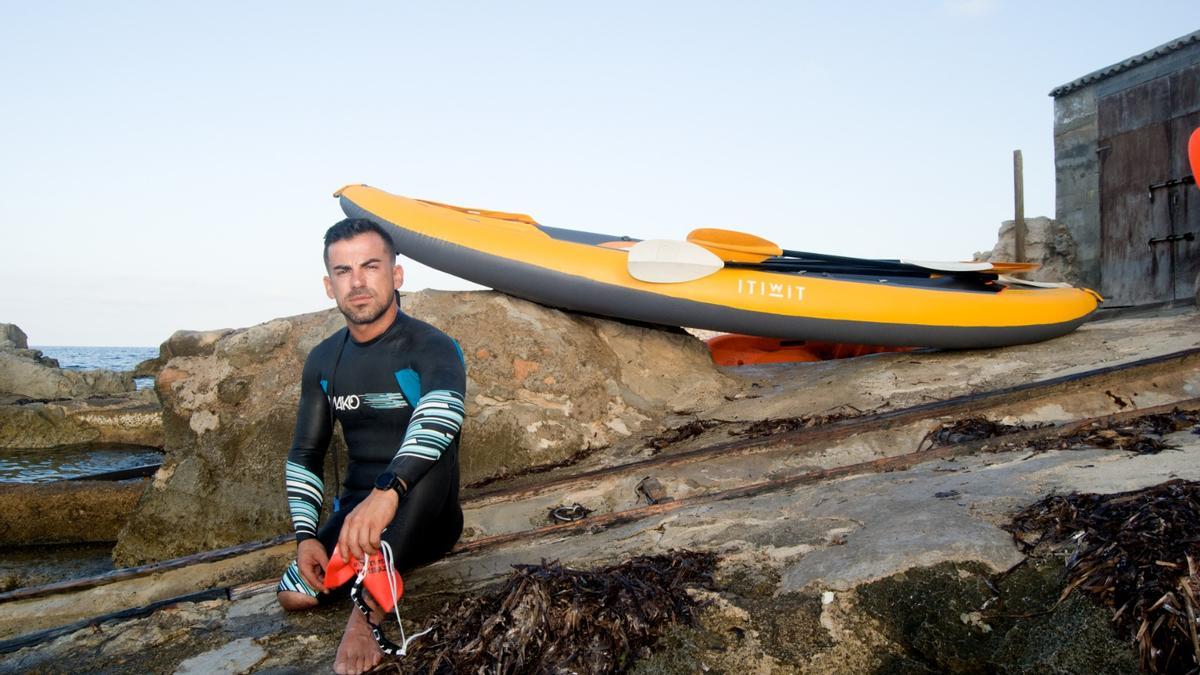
[(131, 418), (890, 381), (818, 539), (238, 656), (66, 511)]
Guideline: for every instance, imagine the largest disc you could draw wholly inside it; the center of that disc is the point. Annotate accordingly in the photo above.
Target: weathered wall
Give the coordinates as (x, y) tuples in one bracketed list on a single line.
[(1077, 179)]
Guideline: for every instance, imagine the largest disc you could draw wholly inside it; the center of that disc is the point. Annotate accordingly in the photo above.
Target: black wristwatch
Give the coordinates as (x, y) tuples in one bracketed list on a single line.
[(389, 481)]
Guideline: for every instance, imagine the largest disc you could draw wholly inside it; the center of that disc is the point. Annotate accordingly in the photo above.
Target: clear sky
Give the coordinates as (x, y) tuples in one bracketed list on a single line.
[(169, 165)]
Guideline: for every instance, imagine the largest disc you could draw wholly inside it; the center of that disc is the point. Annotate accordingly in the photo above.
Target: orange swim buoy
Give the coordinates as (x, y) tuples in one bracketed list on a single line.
[(338, 573), (742, 350), (1194, 155)]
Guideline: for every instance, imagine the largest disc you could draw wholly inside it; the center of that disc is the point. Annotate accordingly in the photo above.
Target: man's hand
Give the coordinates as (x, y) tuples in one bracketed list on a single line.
[(361, 529), (312, 561)]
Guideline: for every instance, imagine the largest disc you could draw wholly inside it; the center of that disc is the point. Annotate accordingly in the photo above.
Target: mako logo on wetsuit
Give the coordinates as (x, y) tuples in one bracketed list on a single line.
[(350, 402), (376, 401)]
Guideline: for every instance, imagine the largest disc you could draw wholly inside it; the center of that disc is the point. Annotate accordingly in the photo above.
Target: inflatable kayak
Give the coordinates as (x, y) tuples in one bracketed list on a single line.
[(859, 301)]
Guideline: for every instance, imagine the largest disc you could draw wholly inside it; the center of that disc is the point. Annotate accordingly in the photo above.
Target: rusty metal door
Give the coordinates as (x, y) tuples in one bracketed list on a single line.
[(1147, 205)]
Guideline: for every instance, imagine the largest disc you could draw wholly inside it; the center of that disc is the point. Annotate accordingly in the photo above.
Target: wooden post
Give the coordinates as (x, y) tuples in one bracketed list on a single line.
[(1019, 208)]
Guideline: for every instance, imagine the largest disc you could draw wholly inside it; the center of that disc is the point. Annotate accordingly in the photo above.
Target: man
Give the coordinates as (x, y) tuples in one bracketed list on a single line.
[(396, 384)]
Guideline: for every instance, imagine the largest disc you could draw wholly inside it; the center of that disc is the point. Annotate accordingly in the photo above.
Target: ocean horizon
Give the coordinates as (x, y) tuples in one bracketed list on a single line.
[(83, 357)]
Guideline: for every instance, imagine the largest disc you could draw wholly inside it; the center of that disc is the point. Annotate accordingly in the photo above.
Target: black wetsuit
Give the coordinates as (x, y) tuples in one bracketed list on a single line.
[(399, 399)]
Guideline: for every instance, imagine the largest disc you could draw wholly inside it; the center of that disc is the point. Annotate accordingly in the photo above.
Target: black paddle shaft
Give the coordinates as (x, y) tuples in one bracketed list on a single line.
[(829, 267), (866, 262), (859, 267), (872, 266)]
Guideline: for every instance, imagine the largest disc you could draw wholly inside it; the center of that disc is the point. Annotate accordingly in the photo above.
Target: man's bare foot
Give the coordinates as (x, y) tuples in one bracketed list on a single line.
[(358, 652)]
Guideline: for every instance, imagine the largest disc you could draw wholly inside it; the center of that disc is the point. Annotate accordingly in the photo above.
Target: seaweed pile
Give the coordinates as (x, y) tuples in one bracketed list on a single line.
[(1137, 435), (1141, 435), (1136, 552), (551, 619)]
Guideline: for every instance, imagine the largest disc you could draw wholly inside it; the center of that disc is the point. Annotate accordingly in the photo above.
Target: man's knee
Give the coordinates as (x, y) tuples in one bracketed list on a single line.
[(291, 601)]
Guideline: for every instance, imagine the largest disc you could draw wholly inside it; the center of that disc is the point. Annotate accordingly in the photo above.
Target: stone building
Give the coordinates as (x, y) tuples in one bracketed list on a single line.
[(1124, 189)]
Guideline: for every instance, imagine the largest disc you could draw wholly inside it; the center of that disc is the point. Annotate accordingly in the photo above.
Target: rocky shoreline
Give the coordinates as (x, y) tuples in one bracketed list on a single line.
[(44, 406), (820, 578)]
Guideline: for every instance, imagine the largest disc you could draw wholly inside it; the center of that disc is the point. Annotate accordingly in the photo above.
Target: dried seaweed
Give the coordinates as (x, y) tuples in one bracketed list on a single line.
[(970, 429), (1137, 435), (785, 424), (551, 619), (682, 433), (1136, 552), (1140, 435)]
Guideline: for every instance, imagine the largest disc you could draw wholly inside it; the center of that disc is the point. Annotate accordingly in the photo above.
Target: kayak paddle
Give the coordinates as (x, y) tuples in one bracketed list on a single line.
[(665, 261), (733, 246)]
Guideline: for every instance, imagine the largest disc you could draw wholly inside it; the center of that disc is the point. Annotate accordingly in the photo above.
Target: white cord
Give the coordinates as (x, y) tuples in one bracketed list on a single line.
[(389, 569)]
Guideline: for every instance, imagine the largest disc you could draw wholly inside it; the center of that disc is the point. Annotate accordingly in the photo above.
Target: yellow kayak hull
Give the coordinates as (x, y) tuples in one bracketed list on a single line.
[(588, 272)]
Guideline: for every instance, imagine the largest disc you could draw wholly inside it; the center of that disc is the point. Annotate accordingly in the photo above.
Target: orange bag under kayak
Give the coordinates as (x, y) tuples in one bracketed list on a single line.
[(740, 350)]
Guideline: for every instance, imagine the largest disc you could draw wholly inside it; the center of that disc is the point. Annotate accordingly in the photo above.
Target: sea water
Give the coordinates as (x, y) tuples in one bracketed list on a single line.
[(44, 465), (108, 358), (50, 464)]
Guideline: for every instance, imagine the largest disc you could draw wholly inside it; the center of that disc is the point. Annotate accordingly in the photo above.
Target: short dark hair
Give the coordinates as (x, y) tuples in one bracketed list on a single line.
[(352, 227)]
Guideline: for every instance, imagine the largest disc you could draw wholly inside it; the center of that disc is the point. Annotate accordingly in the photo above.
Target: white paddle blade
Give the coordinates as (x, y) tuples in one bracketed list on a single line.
[(951, 266), (664, 261)]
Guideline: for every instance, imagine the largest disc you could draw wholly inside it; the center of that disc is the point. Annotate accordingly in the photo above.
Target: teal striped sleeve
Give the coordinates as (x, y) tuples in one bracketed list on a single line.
[(305, 492), (437, 418), (306, 457), (435, 424)]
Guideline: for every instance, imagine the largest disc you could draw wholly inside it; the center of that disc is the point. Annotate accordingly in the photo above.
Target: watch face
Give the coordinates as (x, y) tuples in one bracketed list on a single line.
[(385, 480)]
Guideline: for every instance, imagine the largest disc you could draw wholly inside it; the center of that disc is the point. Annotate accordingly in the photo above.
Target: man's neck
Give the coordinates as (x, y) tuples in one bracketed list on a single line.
[(365, 332)]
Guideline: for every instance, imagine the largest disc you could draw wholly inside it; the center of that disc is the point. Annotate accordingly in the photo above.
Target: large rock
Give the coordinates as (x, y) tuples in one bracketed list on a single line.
[(12, 337), (229, 406), (26, 373), (542, 387), (44, 406), (1047, 242)]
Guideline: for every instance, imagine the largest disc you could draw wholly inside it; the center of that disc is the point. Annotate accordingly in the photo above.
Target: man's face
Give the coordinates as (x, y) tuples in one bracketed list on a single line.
[(362, 278)]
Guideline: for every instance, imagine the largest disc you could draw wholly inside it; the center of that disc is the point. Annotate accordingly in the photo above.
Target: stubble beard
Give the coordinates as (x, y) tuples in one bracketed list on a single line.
[(366, 315)]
